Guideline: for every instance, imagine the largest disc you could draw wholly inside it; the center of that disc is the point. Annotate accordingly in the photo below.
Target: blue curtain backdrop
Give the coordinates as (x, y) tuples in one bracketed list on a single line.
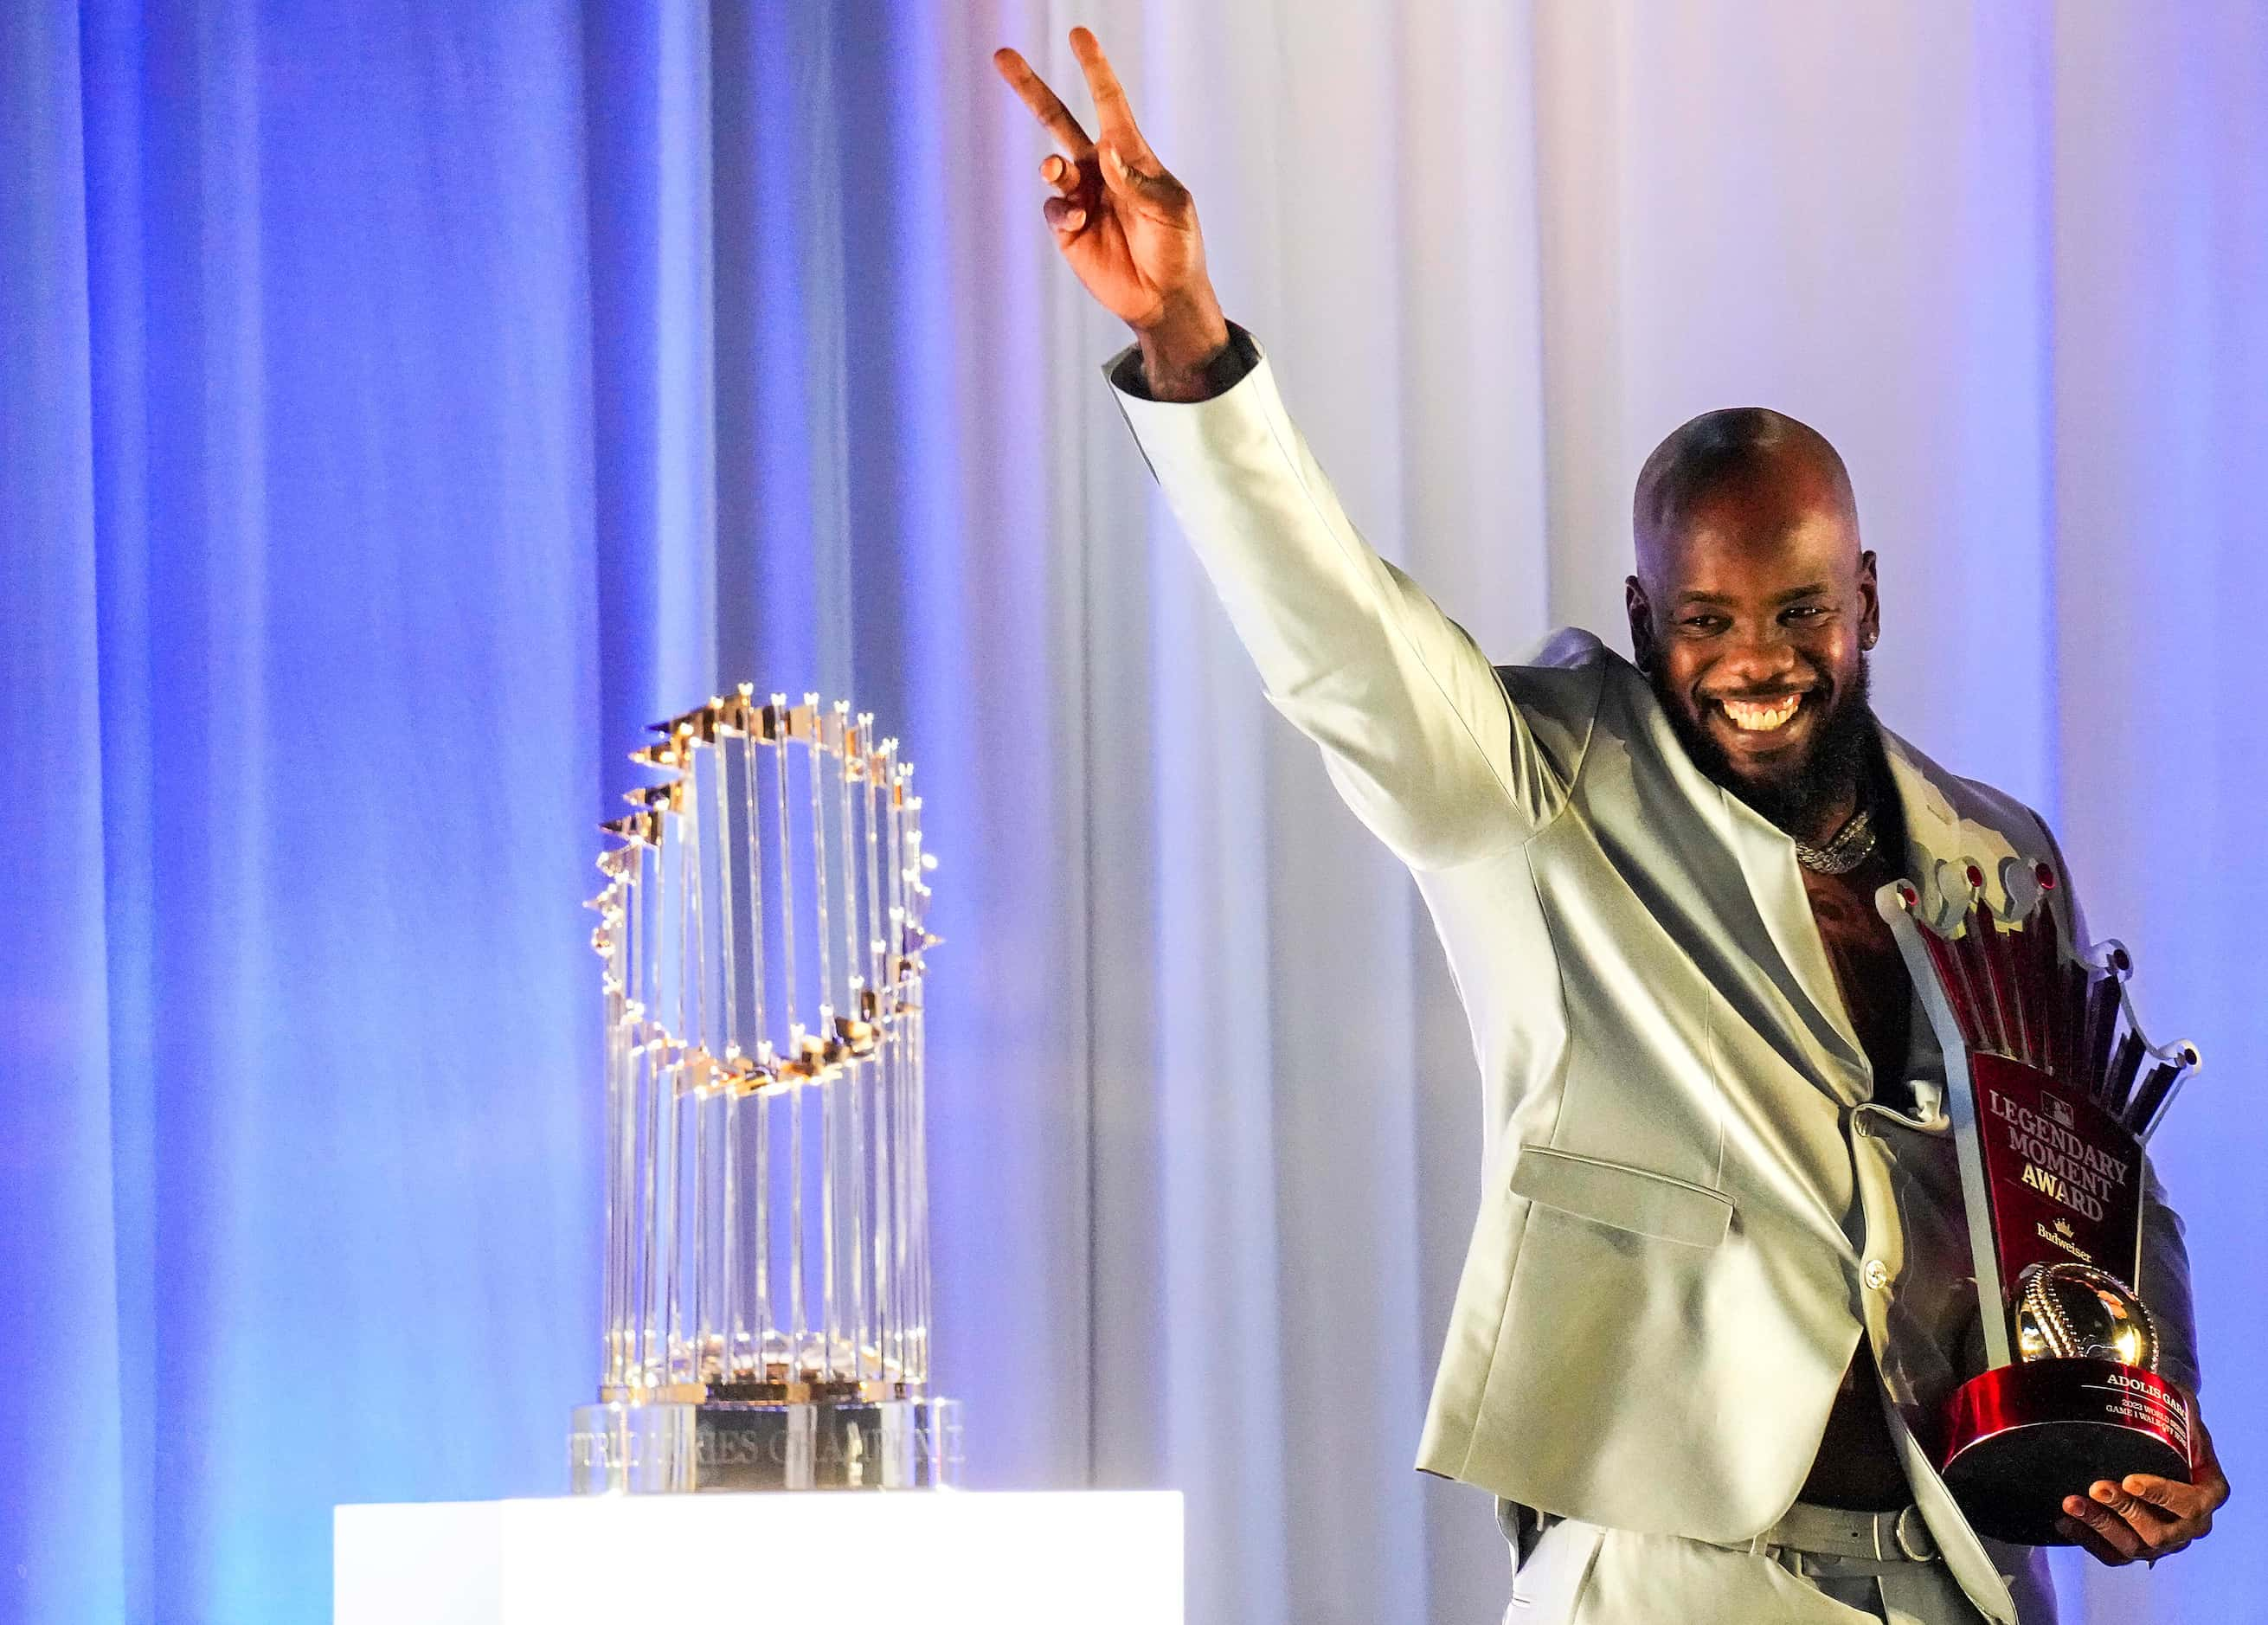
[(402, 402), (383, 449)]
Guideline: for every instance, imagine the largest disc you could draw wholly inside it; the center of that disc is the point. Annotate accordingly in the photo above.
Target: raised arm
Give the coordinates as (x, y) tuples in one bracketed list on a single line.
[(1416, 728)]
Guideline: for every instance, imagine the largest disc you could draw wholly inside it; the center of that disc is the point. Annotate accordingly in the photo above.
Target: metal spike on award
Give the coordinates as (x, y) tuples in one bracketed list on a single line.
[(2051, 1105), (766, 1286)]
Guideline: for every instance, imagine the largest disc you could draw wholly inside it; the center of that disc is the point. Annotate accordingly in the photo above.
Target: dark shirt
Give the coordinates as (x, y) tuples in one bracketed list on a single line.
[(1857, 1466)]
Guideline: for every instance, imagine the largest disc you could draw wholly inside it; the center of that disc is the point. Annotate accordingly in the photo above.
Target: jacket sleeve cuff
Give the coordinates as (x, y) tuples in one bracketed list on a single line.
[(1224, 373)]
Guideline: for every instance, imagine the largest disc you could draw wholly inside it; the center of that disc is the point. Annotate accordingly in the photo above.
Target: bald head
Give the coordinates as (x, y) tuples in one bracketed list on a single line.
[(1750, 460)]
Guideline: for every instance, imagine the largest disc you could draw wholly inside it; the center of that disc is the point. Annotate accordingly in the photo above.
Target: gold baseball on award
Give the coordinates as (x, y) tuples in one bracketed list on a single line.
[(766, 1286), (2050, 1106)]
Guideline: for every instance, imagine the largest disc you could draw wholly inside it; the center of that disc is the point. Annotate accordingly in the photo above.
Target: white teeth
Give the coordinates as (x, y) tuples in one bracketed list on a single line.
[(1755, 717)]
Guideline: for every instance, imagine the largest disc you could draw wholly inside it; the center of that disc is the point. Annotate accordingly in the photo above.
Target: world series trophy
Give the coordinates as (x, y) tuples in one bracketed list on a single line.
[(2050, 1108), (766, 1284)]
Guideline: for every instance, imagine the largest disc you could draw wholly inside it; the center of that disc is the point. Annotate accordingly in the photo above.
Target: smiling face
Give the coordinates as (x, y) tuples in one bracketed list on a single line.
[(1752, 610)]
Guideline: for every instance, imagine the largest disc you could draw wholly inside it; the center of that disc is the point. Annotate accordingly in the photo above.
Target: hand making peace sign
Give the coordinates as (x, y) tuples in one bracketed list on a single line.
[(1125, 225)]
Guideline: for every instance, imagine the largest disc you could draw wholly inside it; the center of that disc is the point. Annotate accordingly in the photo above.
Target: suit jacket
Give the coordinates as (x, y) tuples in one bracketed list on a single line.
[(1693, 1209)]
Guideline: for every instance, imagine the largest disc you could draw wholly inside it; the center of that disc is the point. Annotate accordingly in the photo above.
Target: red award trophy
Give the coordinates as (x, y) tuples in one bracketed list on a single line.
[(2052, 1091)]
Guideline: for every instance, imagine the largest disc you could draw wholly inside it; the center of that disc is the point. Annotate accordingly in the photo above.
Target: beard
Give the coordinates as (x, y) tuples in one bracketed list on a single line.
[(1793, 796)]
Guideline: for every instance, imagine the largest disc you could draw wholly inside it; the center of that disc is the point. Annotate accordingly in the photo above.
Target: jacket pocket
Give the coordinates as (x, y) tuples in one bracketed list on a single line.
[(1623, 1197)]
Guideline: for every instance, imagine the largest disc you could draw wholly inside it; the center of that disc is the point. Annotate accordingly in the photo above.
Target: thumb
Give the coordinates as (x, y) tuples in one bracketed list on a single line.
[(1158, 195)]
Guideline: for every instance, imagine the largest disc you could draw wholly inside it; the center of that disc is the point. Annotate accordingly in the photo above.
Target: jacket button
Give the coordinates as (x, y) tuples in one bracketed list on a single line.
[(1876, 1275)]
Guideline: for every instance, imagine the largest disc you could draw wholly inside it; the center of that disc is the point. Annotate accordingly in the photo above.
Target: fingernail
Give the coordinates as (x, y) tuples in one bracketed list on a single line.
[(2104, 1492), (2073, 1505)]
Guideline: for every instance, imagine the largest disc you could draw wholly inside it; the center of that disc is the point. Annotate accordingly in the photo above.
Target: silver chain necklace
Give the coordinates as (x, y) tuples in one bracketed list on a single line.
[(1851, 846)]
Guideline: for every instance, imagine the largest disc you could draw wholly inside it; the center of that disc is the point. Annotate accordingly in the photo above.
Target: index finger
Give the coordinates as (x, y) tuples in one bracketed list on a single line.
[(1046, 105), (1112, 111)]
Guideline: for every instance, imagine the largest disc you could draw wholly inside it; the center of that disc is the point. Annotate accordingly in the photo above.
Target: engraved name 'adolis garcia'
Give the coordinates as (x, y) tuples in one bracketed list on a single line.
[(2058, 1163)]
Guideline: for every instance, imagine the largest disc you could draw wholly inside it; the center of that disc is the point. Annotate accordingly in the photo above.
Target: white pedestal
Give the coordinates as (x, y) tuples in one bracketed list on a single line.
[(1102, 1557)]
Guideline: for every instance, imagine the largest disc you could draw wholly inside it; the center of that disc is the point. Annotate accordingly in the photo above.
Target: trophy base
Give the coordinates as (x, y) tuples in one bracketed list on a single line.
[(2021, 1438), (620, 1447)]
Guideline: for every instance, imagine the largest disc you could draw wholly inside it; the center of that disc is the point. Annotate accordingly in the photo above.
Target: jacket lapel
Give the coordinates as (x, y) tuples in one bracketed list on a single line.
[(1767, 859), (1801, 974)]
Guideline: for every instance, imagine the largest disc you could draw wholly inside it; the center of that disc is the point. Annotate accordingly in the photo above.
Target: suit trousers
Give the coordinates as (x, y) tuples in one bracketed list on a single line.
[(1575, 1573)]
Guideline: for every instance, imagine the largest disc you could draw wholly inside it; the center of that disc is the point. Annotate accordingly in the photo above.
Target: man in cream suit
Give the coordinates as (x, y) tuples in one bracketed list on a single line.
[(1720, 1266)]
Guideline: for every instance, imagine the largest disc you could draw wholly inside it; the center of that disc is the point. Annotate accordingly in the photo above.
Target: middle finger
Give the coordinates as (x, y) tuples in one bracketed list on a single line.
[(2152, 1524)]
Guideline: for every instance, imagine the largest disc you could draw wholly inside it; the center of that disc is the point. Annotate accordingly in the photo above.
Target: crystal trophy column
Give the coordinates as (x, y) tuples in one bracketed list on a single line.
[(765, 1288), (2050, 1108)]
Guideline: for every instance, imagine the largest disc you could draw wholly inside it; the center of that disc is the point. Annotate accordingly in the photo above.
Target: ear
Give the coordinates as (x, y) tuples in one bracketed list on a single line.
[(1870, 602), (1641, 622)]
